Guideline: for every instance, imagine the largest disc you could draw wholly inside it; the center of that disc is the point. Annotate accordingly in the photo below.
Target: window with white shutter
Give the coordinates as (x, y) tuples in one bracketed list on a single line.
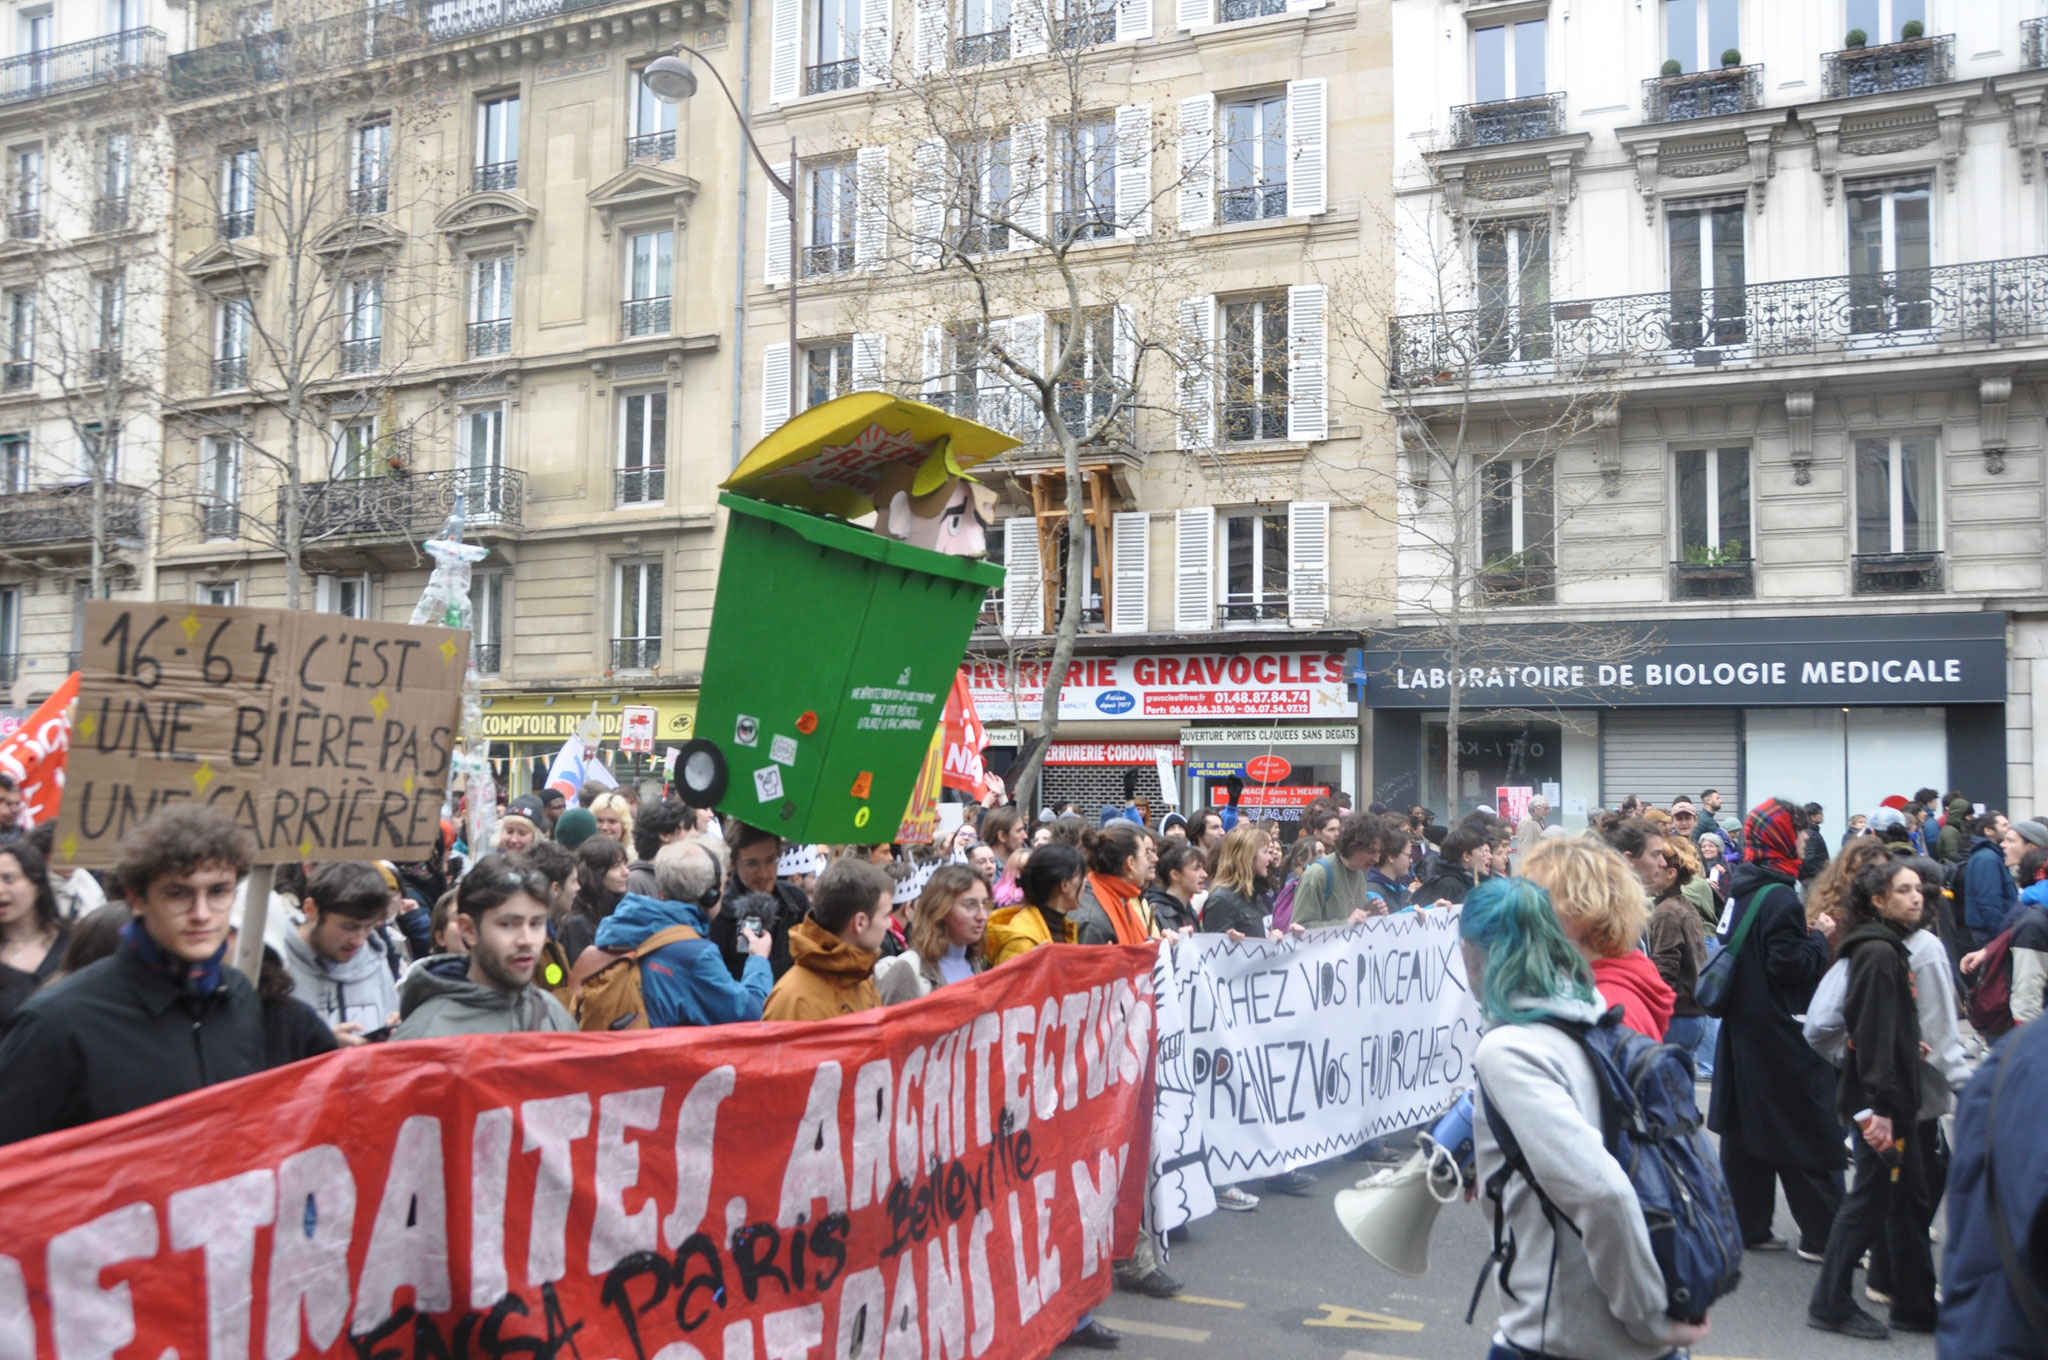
[(1130, 549), (1030, 29), (874, 42), (775, 361), (1308, 363), (1189, 14), (1030, 184), (871, 205), (775, 249), (869, 347), (1308, 134), (786, 51), (1197, 162), (1023, 339), (1197, 371), (928, 202), (1134, 170), (934, 365), (1194, 570), (1023, 587), (931, 38), (1133, 19), (1308, 563)]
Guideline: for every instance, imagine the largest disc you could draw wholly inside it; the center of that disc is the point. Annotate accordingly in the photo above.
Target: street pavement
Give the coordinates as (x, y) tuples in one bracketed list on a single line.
[(1287, 1281)]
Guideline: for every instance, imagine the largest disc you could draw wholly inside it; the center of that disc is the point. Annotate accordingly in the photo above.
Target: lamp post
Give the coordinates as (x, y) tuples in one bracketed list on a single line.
[(672, 80)]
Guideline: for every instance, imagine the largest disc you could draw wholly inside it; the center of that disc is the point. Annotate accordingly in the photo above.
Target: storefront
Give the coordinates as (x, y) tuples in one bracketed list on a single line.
[(1198, 715), (1837, 710), (525, 730)]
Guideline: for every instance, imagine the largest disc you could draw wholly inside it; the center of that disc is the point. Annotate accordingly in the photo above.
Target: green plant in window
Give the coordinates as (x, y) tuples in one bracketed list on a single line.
[(1728, 554)]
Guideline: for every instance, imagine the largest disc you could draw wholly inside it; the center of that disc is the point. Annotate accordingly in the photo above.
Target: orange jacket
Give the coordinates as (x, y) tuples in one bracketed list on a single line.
[(827, 978)]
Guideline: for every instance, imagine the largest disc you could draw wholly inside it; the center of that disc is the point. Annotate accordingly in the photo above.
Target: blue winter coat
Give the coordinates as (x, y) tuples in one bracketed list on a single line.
[(1980, 1316), (1989, 893), (685, 983)]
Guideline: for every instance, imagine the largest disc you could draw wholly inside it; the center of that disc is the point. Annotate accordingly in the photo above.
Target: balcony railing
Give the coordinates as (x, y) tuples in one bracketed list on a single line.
[(1093, 223), (403, 504), (1249, 421), (221, 521), (1911, 573), (230, 374), (459, 18), (1076, 31), (1253, 202), (651, 146), (1732, 580), (636, 654), (103, 364), (979, 49), (1519, 583), (64, 515), (644, 316), (75, 66), (1234, 10), (1909, 65), (995, 406), (984, 238), (640, 485), (1703, 94), (1986, 303), (2034, 43), (238, 223), (828, 76), (1086, 403), (362, 356), (17, 374), (490, 338), (486, 656), (110, 213), (831, 257), (494, 175), (1504, 121), (1252, 611), (368, 200), (25, 224)]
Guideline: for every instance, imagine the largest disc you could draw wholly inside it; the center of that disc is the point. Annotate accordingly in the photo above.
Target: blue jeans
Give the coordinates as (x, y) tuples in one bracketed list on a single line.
[(1690, 1032)]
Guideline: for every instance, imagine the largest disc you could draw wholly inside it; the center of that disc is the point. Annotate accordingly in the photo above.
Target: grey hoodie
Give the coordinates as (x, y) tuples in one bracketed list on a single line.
[(1607, 1298), (359, 989), (437, 999)]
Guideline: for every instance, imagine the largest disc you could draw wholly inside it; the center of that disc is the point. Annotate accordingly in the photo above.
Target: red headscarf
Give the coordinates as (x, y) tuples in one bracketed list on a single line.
[(1769, 838)]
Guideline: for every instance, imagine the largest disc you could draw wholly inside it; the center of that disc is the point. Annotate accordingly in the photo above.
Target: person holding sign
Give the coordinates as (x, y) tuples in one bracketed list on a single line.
[(501, 915), (165, 1014)]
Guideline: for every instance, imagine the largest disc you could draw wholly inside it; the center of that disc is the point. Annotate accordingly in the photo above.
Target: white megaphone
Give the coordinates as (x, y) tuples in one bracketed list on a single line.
[(1390, 1213)]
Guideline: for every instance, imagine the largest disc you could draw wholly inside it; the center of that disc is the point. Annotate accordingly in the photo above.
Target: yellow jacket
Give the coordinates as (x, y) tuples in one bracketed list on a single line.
[(828, 978), (1013, 930)]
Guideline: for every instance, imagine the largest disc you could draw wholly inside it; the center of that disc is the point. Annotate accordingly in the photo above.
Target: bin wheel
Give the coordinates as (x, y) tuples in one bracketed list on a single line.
[(701, 773)]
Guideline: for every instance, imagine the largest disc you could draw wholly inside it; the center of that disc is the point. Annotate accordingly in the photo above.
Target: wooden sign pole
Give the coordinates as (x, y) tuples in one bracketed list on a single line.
[(255, 913)]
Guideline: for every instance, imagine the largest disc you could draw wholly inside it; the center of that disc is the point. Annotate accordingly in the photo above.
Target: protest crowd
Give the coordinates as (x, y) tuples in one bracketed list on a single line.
[(1836, 997)]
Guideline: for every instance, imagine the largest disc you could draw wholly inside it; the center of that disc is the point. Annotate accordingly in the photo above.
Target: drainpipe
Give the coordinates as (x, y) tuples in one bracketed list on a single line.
[(739, 273)]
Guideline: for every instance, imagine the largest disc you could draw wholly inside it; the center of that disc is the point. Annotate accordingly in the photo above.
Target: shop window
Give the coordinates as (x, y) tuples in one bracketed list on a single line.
[(1491, 756)]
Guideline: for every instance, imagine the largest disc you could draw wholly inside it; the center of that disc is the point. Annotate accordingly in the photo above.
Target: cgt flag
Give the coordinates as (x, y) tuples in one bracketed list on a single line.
[(947, 1178), (35, 753)]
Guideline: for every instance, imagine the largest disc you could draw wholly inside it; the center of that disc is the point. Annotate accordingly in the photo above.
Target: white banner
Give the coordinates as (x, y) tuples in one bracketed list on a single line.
[(1276, 1056)]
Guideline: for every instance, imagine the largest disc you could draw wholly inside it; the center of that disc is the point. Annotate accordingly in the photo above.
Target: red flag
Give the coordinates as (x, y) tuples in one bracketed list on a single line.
[(966, 739), (35, 753)]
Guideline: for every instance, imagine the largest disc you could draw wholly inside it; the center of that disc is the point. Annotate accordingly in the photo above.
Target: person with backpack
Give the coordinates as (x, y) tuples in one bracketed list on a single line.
[(666, 946), (1989, 892), (2008, 977), (1331, 889), (1580, 1278)]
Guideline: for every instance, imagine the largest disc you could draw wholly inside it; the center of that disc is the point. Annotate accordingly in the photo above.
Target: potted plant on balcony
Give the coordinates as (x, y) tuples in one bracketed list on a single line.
[(1856, 38), (1912, 31), (1732, 57), (1672, 67)]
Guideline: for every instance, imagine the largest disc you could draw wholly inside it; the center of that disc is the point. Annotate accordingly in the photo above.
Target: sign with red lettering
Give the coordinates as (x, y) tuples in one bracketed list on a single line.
[(1111, 753), (1512, 802), (916, 1181), (1175, 685), (1268, 769), (1272, 795)]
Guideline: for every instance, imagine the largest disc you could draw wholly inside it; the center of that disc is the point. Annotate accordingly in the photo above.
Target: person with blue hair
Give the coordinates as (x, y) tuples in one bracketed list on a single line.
[(1597, 1291)]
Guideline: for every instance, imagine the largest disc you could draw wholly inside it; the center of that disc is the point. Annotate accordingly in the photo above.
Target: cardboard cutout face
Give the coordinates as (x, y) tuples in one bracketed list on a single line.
[(953, 519)]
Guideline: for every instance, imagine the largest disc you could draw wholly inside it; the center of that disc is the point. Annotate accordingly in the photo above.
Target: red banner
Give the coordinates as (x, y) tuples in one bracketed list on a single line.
[(945, 1179), (35, 752), (966, 739)]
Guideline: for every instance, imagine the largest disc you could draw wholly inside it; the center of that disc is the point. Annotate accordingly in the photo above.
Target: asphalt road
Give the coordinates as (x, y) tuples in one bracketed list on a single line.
[(1286, 1281)]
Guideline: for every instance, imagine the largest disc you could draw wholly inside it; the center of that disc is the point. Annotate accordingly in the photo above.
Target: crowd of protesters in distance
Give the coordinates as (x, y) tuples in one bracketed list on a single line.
[(1843, 1039)]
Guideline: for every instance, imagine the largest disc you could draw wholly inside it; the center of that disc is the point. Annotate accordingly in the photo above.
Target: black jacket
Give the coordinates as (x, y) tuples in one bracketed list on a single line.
[(1815, 860), (1882, 1070), (1450, 884), (791, 907), (1227, 909), (1168, 911), (117, 1036)]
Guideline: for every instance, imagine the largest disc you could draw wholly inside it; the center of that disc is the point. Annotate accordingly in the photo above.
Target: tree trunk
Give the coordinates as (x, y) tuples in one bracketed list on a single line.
[(1073, 586)]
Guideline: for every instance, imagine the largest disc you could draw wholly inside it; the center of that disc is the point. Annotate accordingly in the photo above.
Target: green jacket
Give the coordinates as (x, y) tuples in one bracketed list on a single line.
[(437, 999), (1320, 902)]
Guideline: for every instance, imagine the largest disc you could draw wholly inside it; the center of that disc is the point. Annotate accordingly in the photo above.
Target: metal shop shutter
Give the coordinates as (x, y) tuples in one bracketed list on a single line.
[(1660, 753)]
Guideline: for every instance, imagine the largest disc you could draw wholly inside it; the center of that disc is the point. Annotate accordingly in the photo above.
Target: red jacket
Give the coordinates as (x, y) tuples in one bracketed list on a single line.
[(1632, 983)]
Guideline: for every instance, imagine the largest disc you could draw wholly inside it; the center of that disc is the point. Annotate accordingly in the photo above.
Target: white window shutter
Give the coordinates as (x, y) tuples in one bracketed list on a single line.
[(1134, 170), (874, 41), (775, 361), (871, 204), (1189, 14), (1197, 371), (1308, 563), (1133, 19), (775, 248), (1194, 570), (928, 201), (1029, 27), (1308, 136), (1130, 549), (326, 595), (786, 52), (931, 37), (1030, 183), (934, 361), (1023, 586), (1025, 343), (1308, 361), (1197, 162), (1124, 357), (869, 347)]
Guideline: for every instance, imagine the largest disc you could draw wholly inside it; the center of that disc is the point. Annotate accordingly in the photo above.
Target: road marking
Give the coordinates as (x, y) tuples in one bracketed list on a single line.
[(1158, 1329), (1211, 1303), (1336, 1315), (1370, 1355)]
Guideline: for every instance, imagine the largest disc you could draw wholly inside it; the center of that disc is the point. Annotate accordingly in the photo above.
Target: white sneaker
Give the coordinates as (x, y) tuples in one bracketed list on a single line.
[(1876, 1295), (1235, 1200)]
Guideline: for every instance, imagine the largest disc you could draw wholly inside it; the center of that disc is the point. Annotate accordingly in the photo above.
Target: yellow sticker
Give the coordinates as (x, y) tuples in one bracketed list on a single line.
[(861, 818), (554, 975)]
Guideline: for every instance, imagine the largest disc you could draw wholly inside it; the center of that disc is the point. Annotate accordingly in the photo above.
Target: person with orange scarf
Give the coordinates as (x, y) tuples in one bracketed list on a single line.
[(1113, 908)]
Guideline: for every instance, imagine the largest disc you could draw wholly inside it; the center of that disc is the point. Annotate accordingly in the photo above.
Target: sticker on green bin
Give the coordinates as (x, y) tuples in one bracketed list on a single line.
[(768, 783), (782, 750)]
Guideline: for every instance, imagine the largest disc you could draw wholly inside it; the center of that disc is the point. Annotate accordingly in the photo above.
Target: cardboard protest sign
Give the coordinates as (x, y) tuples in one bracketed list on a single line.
[(325, 737), (947, 1178)]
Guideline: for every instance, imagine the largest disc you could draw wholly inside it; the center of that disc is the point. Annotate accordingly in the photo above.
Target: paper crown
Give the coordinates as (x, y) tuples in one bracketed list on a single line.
[(912, 884), (799, 860)]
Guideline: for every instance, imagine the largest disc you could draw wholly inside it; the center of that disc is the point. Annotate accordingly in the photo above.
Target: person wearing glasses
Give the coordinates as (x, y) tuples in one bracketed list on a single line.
[(501, 917)]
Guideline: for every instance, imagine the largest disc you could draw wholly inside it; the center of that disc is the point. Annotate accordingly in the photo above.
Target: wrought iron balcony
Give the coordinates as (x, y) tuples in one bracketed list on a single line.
[(74, 66), (362, 356), (1234, 10), (110, 213), (490, 338), (644, 316), (1851, 314), (1076, 31), (404, 504), (1252, 611), (494, 175), (651, 146), (1730, 580), (979, 49), (1253, 202), (1912, 573), (25, 224), (17, 375), (231, 374), (636, 654), (221, 521), (459, 18), (1504, 121), (317, 46), (995, 406), (983, 238), (831, 257), (64, 515), (1092, 223), (1262, 418), (237, 224), (1703, 94), (828, 76), (1910, 65), (486, 656), (640, 485), (2034, 43), (368, 200), (1087, 403)]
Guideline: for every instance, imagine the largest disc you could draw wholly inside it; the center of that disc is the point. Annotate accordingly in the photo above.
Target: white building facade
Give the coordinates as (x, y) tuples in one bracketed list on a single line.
[(1742, 309)]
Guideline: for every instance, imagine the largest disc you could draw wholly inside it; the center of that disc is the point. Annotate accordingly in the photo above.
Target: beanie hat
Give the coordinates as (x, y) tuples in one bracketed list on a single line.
[(2033, 833), (576, 826)]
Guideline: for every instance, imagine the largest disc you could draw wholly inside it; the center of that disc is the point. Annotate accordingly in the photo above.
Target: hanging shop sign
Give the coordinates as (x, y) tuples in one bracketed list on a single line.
[(1111, 753), (1271, 795), (1173, 685), (543, 717), (1277, 735)]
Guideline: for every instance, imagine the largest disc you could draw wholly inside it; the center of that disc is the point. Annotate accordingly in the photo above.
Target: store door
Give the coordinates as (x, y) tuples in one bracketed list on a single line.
[(1659, 754)]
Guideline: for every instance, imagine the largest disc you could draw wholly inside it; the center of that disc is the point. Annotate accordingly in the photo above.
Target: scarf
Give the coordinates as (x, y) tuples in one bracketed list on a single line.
[(1118, 897), (191, 979), (1769, 839)]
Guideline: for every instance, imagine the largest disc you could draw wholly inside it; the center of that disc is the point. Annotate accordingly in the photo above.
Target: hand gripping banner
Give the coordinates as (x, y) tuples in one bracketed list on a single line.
[(948, 1180)]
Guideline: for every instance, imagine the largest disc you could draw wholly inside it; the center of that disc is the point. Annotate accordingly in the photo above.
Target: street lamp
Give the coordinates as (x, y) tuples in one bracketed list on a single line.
[(672, 80)]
